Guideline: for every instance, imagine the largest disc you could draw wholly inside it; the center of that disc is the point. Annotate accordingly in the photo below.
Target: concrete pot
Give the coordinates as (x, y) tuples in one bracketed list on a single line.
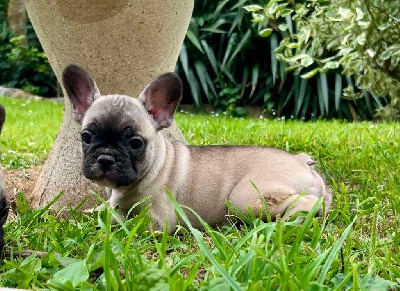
[(123, 44)]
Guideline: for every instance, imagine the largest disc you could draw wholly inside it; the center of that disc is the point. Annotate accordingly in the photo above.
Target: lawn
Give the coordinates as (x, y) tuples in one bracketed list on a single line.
[(29, 131), (356, 247)]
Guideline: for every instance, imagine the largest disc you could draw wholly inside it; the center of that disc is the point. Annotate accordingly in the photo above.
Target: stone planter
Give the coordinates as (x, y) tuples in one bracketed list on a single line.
[(123, 44)]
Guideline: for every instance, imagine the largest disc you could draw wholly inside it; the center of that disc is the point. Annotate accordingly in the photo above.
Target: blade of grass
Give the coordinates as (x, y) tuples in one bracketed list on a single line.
[(31, 218), (304, 228), (182, 262), (239, 214), (203, 247), (334, 252)]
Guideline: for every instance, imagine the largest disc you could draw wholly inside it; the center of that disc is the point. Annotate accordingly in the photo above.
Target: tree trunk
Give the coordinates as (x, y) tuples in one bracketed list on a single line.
[(16, 17), (123, 45)]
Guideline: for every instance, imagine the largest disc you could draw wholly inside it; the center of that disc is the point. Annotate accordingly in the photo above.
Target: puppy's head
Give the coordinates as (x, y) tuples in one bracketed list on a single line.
[(118, 131)]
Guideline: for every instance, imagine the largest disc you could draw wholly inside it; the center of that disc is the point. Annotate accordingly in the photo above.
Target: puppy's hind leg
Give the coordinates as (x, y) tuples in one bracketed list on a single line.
[(296, 203), (245, 195), (281, 200)]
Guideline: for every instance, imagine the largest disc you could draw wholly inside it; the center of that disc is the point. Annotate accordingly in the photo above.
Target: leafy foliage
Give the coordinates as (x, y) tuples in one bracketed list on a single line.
[(213, 56), (24, 65), (226, 63), (359, 38)]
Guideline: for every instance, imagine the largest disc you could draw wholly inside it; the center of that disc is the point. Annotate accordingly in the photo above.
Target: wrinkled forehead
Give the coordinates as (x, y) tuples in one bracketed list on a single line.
[(117, 112)]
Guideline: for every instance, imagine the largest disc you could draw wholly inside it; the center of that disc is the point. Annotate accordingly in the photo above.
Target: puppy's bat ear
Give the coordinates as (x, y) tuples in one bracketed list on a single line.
[(2, 117), (81, 90), (161, 98)]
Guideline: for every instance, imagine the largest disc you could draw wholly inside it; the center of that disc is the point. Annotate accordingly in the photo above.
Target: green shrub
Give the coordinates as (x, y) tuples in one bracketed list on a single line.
[(354, 38), (24, 66), (226, 63), (223, 62)]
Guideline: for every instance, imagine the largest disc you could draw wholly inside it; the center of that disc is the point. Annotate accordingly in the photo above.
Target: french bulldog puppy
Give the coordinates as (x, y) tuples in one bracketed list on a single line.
[(123, 149), (4, 205)]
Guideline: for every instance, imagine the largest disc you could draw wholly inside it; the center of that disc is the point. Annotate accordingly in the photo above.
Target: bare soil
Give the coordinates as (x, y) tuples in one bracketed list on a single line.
[(21, 180)]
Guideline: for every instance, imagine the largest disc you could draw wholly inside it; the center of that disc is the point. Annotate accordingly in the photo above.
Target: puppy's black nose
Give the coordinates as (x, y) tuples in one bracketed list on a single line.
[(105, 162)]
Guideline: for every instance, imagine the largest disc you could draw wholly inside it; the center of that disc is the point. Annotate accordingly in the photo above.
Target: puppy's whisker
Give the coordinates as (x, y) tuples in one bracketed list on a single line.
[(154, 147)]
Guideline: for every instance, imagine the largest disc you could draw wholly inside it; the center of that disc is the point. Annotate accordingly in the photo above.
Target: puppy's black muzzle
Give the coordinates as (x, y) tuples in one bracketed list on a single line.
[(105, 162)]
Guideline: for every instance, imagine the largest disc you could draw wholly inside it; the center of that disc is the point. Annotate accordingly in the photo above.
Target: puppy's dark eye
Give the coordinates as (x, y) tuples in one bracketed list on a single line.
[(136, 143), (86, 137)]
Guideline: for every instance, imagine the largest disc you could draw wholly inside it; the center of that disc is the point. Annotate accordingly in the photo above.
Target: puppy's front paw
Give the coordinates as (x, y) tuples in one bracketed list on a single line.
[(98, 208)]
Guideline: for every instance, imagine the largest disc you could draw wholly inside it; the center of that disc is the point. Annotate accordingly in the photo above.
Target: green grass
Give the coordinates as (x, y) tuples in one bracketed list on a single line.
[(356, 248), (28, 132)]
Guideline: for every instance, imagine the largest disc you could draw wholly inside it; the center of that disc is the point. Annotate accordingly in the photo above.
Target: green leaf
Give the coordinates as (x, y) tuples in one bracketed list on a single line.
[(240, 45), (254, 78), (253, 8), (300, 98), (229, 47), (286, 12), (210, 55), (151, 279), (385, 55), (76, 273), (377, 283), (307, 61), (272, 8), (360, 13), (310, 74), (331, 65), (274, 61), (215, 26), (259, 18), (295, 58), (266, 32), (194, 87), (66, 261), (293, 45), (323, 86), (282, 27), (289, 23), (201, 73), (373, 283), (22, 203), (338, 90), (193, 38), (183, 57)]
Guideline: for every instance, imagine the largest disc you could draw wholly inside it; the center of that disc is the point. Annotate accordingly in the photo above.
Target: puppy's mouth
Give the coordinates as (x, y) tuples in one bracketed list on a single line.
[(105, 171)]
